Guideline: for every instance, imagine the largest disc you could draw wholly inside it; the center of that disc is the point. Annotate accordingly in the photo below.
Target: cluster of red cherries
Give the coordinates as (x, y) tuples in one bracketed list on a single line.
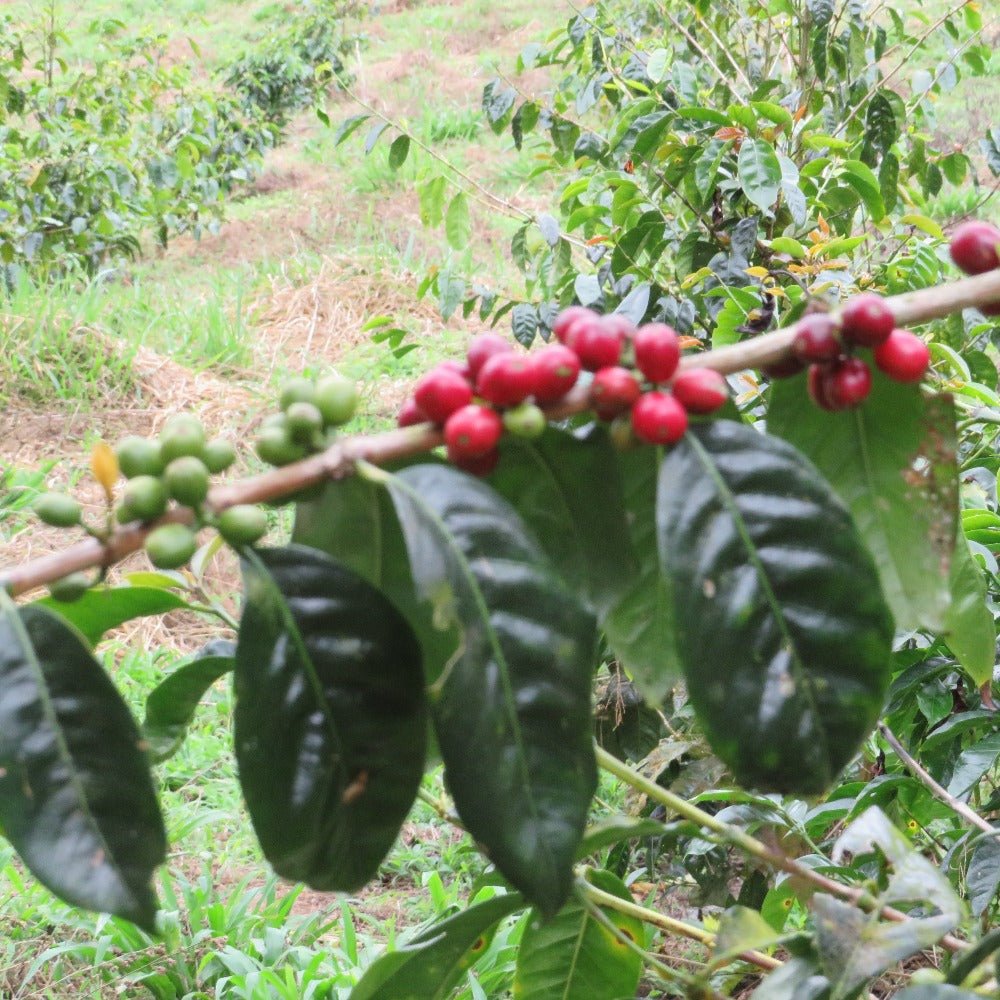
[(635, 377)]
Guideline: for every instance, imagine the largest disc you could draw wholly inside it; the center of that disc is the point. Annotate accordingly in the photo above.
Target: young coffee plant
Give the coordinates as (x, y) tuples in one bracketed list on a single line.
[(601, 504)]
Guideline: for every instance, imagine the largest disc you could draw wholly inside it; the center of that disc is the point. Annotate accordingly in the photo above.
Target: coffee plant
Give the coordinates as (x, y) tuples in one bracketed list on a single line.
[(95, 158)]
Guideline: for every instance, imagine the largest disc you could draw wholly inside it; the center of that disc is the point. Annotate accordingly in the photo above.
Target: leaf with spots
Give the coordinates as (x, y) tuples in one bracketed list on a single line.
[(781, 627)]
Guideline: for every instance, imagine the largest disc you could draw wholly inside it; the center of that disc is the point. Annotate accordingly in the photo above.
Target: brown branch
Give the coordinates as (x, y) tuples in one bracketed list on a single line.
[(339, 459)]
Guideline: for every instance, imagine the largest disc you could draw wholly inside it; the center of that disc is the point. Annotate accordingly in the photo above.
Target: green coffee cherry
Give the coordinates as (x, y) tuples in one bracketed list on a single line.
[(170, 546), (304, 422), (218, 455), (275, 446), (70, 588), (337, 399), (58, 509), (186, 480), (297, 390), (138, 456), (242, 525), (183, 435), (526, 421), (144, 499)]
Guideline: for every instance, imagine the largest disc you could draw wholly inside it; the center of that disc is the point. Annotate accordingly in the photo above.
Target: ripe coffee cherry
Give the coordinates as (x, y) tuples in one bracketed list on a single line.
[(569, 318), (472, 432), (816, 338), (974, 247), (410, 414), (847, 383), (657, 418), (526, 421), (785, 368), (866, 319), (657, 351), (482, 349), (904, 357), (441, 392), (460, 367), (481, 466), (613, 392), (700, 390), (818, 386), (556, 369), (506, 379), (598, 344)]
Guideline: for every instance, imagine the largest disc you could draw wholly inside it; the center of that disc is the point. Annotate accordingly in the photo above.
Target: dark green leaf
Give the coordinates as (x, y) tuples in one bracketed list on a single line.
[(549, 228), (969, 629), (936, 991), (892, 462), (639, 625), (888, 181), (972, 764), (498, 99), (76, 795), (574, 957), (524, 323), (171, 705), (374, 133), (517, 690), (347, 127), (568, 490), (608, 832), (398, 151), (881, 127), (104, 608), (781, 628), (860, 177), (330, 717), (983, 877), (759, 173), (428, 967)]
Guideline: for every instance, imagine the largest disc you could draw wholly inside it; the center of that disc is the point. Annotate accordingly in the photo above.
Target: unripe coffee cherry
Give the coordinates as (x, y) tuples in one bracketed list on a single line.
[(186, 480), (170, 546), (974, 247), (297, 390), (472, 432), (556, 369), (700, 390), (904, 357), (657, 418), (243, 524), (506, 379), (58, 510), (657, 351), (218, 455), (525, 421), (613, 391), (816, 338), (336, 399), (441, 392), (144, 498), (866, 319), (182, 435), (138, 456)]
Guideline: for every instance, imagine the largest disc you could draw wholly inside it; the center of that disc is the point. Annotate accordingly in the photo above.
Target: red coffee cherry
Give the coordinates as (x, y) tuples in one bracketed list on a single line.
[(506, 379), (481, 466), (866, 319), (472, 432), (409, 414), (974, 247), (816, 338), (700, 390), (657, 418), (904, 357), (818, 386), (556, 369), (441, 392), (483, 347), (785, 368), (847, 383), (598, 345), (569, 317), (456, 366), (613, 391), (657, 351)]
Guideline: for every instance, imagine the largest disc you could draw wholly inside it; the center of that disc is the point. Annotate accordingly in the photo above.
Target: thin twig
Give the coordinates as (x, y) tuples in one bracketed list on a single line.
[(339, 460), (967, 813)]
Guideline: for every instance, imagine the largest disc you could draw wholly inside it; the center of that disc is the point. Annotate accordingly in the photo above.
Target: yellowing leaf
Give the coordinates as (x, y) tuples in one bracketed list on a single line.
[(757, 272), (104, 465)]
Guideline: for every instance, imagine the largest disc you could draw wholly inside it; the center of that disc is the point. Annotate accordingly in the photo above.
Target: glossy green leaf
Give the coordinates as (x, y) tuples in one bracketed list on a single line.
[(575, 957), (892, 461), (568, 490), (781, 628), (759, 173), (639, 626), (969, 629), (516, 692), (398, 151), (329, 720), (171, 705), (866, 184), (458, 223), (741, 929), (428, 967), (354, 522), (983, 875), (76, 795), (104, 608), (615, 829)]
